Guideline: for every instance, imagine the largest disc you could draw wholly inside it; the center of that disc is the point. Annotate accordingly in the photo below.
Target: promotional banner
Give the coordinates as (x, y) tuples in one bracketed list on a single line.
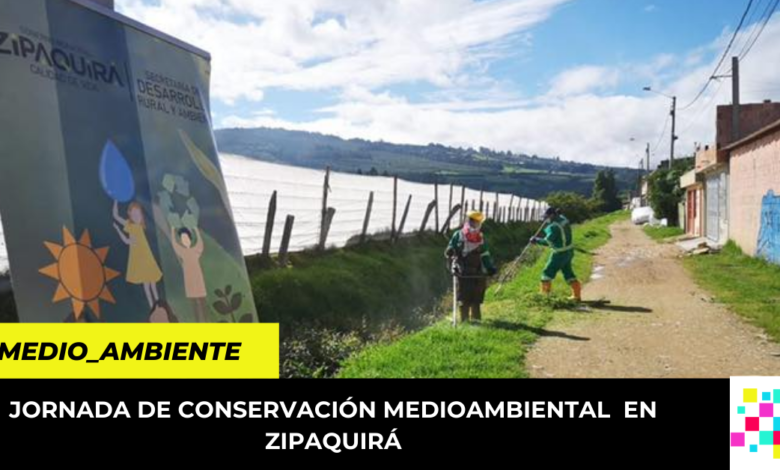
[(113, 201)]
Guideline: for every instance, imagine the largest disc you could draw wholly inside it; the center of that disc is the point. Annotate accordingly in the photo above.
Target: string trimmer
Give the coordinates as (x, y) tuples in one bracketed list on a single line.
[(511, 271)]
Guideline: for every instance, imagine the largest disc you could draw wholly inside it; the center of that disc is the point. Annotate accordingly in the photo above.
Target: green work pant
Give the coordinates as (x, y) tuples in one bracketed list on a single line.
[(559, 262)]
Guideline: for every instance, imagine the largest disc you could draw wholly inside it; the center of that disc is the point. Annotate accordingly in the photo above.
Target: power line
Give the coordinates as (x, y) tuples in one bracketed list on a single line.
[(663, 133), (703, 108), (755, 21), (722, 58), (767, 16)]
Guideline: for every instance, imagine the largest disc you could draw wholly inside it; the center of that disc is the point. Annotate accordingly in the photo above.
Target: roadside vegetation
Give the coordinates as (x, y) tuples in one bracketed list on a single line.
[(331, 305), (605, 199), (662, 233), (512, 320), (748, 286)]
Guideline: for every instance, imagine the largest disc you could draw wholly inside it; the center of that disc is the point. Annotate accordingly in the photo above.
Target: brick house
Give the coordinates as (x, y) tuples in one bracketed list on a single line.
[(755, 193), (714, 171), (693, 183)]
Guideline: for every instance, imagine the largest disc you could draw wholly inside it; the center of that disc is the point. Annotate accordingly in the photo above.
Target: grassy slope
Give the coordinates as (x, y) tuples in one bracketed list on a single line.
[(333, 304), (749, 286), (660, 233), (377, 282), (513, 320)]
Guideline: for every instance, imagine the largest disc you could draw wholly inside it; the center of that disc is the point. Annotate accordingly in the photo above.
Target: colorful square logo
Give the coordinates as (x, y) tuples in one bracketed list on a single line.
[(755, 426)]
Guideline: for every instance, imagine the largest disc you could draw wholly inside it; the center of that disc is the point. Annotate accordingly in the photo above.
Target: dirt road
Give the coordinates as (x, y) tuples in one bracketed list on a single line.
[(658, 323)]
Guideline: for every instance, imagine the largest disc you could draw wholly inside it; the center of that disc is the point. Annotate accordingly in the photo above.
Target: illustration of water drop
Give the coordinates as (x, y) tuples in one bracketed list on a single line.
[(115, 174)]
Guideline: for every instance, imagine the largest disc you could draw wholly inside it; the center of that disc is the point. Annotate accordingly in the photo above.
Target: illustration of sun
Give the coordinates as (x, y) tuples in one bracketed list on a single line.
[(81, 272)]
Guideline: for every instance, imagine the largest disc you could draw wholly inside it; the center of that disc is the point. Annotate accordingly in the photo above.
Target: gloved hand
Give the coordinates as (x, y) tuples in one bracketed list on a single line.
[(457, 269), (492, 271), (534, 240), (450, 252)]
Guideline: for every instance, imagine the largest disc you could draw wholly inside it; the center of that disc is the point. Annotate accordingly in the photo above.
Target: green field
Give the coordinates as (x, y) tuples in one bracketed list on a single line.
[(512, 320), (748, 286)]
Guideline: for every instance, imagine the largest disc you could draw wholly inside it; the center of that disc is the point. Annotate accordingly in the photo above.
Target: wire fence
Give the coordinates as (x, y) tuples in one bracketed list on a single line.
[(300, 193)]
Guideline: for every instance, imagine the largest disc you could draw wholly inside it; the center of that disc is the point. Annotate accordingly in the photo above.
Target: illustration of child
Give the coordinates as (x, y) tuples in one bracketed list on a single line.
[(142, 268), (162, 313), (189, 255)]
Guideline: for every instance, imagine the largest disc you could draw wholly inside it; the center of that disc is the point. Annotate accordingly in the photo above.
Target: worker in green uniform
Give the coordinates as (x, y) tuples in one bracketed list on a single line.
[(472, 265), (558, 236)]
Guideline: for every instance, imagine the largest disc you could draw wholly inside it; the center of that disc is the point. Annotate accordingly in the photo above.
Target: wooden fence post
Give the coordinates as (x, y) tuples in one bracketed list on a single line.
[(403, 218), (427, 215), (463, 205), (446, 226), (269, 226), (324, 227), (395, 206), (511, 214), (329, 214), (449, 208), (286, 235), (481, 205), (367, 218), (436, 200)]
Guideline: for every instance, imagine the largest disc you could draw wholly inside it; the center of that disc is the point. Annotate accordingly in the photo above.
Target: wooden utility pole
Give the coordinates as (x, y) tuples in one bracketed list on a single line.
[(481, 205)]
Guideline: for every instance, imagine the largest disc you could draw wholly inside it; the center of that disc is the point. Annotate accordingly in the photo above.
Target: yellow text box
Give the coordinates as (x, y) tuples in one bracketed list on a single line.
[(175, 351)]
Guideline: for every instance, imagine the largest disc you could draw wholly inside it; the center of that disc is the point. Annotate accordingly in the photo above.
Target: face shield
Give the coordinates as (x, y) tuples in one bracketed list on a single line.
[(474, 225)]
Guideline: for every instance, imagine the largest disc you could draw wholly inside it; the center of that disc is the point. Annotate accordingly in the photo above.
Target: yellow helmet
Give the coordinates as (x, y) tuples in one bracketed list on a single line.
[(476, 216)]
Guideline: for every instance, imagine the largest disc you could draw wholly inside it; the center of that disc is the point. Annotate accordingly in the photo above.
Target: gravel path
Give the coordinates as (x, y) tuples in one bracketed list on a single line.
[(658, 322)]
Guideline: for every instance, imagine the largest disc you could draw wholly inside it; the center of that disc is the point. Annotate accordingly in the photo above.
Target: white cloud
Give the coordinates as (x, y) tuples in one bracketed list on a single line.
[(357, 48), (584, 79), (257, 45)]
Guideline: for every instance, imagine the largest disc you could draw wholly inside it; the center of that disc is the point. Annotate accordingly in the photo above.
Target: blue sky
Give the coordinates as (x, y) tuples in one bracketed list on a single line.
[(551, 77)]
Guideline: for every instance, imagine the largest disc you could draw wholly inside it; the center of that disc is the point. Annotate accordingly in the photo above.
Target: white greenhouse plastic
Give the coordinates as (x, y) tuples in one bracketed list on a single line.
[(251, 183)]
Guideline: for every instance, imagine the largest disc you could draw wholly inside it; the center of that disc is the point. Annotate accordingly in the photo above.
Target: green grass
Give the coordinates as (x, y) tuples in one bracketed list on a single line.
[(748, 286), (330, 305), (369, 284), (512, 320), (661, 233)]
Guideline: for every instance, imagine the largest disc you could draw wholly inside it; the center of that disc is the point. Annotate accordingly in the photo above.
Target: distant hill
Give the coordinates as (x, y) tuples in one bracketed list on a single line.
[(526, 175)]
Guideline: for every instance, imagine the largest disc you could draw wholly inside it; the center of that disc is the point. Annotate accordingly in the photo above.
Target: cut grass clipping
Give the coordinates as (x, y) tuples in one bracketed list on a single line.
[(511, 323), (749, 286)]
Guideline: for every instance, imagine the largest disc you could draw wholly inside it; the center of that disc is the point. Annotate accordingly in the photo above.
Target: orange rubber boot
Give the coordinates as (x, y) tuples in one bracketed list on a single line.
[(546, 287), (576, 291)]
